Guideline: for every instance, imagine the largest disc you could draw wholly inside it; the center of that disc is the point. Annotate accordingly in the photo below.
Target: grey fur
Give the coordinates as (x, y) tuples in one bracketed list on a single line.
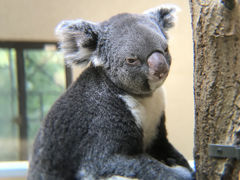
[(90, 132)]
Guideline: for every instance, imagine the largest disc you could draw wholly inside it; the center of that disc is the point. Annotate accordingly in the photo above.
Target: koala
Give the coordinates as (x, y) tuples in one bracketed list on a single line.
[(110, 122)]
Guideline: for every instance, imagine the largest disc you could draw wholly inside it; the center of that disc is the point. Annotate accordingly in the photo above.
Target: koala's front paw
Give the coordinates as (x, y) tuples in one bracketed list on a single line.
[(183, 172)]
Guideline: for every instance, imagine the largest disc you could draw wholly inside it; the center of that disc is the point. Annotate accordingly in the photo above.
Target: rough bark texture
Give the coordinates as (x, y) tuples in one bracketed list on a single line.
[(216, 35)]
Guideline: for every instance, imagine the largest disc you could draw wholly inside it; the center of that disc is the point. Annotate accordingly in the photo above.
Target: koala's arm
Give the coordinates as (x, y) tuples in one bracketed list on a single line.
[(141, 166), (163, 150)]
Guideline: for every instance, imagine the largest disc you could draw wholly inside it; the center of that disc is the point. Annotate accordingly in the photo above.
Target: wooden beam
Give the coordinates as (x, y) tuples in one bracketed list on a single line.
[(68, 72), (22, 106)]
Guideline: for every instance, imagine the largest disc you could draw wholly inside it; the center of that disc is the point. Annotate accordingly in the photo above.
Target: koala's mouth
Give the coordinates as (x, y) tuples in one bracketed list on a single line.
[(155, 82), (156, 77)]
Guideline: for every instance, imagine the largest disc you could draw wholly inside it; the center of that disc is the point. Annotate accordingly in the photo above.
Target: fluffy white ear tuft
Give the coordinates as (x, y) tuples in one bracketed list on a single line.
[(78, 40), (97, 61), (164, 15)]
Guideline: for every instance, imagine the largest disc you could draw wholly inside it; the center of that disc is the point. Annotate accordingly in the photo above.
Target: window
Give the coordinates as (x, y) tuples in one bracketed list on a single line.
[(32, 77)]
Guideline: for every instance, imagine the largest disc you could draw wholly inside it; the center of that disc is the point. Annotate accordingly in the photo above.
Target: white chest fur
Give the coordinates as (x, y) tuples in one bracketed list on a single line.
[(147, 112)]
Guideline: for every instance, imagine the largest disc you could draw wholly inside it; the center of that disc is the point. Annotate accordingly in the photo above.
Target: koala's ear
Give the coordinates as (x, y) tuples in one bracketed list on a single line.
[(78, 40), (164, 15)]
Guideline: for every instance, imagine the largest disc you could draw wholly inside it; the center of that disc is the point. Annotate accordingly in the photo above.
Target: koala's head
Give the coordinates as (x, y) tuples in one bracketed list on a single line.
[(131, 49)]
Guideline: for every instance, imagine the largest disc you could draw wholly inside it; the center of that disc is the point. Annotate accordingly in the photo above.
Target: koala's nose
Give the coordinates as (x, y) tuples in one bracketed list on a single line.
[(158, 67)]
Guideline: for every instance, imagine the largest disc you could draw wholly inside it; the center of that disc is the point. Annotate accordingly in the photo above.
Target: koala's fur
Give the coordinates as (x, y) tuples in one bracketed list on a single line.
[(111, 121)]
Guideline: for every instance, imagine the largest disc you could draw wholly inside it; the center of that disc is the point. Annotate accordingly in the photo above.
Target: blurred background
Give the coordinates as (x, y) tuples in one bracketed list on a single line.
[(33, 75)]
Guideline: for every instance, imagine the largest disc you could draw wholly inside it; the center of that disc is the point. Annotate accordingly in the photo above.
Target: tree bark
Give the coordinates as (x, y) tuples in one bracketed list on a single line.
[(216, 36)]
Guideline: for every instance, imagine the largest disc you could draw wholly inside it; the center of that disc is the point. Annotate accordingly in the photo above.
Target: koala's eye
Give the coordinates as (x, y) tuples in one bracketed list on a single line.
[(166, 50), (133, 61)]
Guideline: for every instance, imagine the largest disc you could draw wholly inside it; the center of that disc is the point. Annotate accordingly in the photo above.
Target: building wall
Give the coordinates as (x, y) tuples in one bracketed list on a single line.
[(34, 20)]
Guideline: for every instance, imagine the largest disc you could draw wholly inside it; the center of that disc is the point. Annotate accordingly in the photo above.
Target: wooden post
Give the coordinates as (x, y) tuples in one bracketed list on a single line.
[(22, 106), (216, 36), (68, 72)]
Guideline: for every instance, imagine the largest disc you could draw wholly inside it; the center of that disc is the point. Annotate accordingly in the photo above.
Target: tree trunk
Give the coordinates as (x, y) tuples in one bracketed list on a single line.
[(216, 35)]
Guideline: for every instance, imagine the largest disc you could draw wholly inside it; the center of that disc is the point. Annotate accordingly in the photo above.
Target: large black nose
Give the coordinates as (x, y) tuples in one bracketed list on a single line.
[(158, 67)]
